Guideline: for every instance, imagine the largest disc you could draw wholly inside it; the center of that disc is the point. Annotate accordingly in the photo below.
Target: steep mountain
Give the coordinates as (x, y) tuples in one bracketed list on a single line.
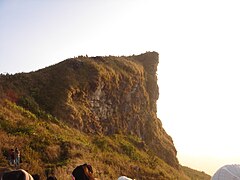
[(96, 98)]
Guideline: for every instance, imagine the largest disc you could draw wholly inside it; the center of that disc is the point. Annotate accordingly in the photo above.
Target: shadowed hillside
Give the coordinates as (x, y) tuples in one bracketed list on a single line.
[(100, 110)]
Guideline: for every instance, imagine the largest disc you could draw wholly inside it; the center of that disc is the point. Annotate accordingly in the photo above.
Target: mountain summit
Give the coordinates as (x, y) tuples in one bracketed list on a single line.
[(97, 96)]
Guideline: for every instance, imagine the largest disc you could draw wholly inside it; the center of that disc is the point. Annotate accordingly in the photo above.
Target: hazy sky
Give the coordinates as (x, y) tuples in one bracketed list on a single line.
[(199, 70)]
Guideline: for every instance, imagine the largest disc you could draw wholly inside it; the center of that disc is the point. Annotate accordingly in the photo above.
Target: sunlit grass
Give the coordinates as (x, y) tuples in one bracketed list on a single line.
[(45, 118)]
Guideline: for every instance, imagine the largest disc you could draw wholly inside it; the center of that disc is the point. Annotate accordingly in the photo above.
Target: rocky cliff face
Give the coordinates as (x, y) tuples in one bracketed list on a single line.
[(103, 95)]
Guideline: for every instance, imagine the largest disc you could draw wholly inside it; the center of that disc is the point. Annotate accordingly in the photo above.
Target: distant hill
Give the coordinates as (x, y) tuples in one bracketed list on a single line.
[(100, 110)]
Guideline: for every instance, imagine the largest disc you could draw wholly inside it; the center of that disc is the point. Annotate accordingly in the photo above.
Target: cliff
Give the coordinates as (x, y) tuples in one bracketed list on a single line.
[(97, 95), (100, 110)]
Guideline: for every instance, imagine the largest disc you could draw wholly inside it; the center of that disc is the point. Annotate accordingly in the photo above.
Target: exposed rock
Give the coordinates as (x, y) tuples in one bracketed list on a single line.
[(103, 95)]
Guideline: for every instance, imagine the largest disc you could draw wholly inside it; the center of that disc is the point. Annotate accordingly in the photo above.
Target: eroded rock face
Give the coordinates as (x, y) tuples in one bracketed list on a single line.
[(122, 99), (105, 95)]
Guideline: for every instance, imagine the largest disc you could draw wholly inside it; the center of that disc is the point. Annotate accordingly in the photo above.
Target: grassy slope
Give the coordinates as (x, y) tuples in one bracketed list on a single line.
[(47, 144), (50, 144), (195, 175), (104, 95)]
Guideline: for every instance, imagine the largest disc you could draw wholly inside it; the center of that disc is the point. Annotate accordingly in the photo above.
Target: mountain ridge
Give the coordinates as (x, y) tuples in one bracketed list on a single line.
[(97, 95)]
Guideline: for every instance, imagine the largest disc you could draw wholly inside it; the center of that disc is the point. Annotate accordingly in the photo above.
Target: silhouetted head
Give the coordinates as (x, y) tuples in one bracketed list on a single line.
[(83, 172)]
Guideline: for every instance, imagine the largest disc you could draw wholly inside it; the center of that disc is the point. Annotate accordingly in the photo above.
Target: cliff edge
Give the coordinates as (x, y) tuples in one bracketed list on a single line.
[(98, 95)]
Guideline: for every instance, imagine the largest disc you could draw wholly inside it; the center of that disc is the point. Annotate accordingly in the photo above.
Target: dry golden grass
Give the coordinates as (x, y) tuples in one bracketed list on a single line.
[(58, 145), (57, 148)]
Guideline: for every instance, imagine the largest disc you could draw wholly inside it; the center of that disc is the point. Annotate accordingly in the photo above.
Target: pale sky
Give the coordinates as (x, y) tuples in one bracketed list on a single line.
[(199, 47)]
